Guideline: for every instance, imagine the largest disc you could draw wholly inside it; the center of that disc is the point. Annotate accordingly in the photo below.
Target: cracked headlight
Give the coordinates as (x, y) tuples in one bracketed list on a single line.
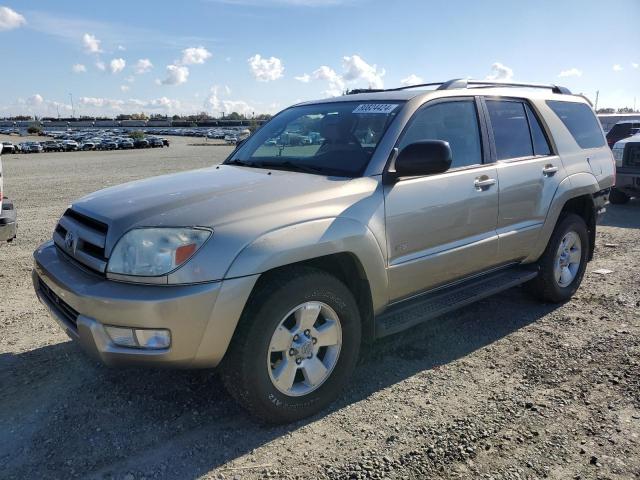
[(152, 252)]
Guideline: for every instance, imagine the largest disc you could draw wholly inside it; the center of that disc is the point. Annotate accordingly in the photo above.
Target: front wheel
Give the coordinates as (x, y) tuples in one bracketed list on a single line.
[(563, 263), (295, 347)]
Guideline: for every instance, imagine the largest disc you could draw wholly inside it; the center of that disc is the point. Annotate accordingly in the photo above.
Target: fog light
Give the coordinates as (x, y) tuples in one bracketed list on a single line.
[(122, 336), (153, 338), (139, 338)]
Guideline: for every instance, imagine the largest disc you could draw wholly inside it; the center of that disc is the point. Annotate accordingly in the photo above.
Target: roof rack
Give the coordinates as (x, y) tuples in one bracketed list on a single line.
[(465, 83)]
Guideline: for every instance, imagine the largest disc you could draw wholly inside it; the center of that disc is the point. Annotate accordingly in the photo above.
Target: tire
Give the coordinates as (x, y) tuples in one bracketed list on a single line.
[(249, 371), (546, 286), (617, 197)]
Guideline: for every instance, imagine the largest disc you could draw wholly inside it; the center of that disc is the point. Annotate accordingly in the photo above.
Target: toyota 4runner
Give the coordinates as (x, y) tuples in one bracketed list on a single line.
[(278, 263)]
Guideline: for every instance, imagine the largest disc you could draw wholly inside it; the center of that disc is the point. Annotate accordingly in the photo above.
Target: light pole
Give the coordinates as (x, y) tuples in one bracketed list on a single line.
[(73, 112)]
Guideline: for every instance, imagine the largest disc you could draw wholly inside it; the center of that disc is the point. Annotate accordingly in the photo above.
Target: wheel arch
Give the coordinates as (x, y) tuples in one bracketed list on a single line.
[(574, 195)]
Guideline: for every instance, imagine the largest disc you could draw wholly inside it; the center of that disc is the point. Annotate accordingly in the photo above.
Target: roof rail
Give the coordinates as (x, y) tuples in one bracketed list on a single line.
[(465, 83)]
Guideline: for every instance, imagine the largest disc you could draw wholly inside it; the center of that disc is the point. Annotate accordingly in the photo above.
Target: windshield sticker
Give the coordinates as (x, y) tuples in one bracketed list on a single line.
[(384, 108)]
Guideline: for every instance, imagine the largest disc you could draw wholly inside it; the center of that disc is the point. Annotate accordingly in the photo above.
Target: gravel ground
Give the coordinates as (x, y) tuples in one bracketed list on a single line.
[(506, 389)]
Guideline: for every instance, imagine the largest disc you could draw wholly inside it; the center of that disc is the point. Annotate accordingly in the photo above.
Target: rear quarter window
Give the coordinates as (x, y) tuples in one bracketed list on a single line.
[(580, 121)]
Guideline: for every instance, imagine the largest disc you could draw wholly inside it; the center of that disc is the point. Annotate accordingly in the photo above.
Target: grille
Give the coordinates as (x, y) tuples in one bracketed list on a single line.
[(83, 239), (632, 155), (62, 307)]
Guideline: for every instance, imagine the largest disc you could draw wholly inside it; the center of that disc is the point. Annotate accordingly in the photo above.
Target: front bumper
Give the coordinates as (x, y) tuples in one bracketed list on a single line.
[(201, 317), (8, 221)]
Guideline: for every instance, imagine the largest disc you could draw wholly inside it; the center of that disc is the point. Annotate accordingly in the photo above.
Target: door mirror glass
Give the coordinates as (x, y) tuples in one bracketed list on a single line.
[(423, 158)]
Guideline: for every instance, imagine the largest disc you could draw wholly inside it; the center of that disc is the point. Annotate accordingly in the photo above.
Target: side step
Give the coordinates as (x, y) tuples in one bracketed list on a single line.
[(429, 305)]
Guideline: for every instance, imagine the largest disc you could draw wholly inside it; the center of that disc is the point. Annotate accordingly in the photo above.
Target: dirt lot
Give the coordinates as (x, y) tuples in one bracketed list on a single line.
[(505, 389)]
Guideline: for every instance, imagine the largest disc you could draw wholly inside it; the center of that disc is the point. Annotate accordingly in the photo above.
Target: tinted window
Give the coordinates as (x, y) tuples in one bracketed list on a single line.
[(580, 121), (453, 122), (510, 129), (540, 144)]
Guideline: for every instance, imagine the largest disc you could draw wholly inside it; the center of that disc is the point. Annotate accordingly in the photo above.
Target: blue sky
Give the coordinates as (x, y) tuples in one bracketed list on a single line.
[(262, 55)]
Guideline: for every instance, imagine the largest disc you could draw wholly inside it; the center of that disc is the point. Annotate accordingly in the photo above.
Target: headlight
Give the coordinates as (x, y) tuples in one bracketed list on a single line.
[(151, 252), (617, 155)]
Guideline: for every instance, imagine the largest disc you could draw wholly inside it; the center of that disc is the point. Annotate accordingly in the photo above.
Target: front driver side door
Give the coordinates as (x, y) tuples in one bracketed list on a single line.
[(441, 228)]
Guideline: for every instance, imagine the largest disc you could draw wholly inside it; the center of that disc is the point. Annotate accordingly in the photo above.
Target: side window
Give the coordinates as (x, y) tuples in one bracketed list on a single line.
[(580, 121), (455, 122), (510, 129), (540, 143)]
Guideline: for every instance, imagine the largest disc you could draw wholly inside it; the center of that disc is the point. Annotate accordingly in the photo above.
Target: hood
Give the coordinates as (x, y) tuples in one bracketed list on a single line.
[(632, 139), (220, 196)]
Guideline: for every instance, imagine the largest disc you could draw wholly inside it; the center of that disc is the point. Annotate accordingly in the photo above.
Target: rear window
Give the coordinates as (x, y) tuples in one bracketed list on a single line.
[(580, 121)]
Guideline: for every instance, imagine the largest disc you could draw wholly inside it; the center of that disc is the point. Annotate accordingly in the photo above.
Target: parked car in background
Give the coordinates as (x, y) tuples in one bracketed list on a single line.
[(165, 142), (8, 215), (284, 259), (125, 143), (88, 145), (31, 147), (627, 156), (70, 145), (8, 147), (108, 144), (155, 142), (52, 146), (622, 129), (141, 143)]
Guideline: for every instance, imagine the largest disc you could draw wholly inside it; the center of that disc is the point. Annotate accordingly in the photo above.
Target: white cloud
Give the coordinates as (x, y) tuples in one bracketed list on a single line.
[(176, 75), (101, 66), (304, 78), (163, 103), (130, 79), (121, 48), (124, 88), (35, 100), (635, 65), (195, 55), (10, 19), (357, 69), (500, 72), (142, 66), (572, 72), (617, 68), (412, 79), (78, 68), (336, 83), (117, 65), (265, 69), (215, 105), (91, 43)]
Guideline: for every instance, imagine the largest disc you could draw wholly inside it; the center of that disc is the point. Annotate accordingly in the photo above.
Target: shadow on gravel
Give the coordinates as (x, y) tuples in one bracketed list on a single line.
[(63, 415), (623, 216)]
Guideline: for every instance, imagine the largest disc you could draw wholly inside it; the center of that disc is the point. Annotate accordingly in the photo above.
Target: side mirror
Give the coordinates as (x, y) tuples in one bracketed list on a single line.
[(423, 158)]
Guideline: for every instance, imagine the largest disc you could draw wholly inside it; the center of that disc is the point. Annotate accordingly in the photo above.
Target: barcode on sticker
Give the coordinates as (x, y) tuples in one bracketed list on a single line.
[(384, 108)]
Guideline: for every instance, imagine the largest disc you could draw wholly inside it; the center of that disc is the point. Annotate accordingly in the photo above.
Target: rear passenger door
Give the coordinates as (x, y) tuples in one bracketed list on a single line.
[(528, 171)]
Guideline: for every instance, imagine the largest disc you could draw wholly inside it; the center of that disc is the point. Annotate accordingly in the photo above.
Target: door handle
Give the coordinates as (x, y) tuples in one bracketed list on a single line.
[(484, 182), (549, 170)]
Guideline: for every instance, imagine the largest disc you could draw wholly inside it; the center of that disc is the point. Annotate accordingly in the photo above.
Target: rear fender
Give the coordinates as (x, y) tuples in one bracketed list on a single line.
[(573, 186)]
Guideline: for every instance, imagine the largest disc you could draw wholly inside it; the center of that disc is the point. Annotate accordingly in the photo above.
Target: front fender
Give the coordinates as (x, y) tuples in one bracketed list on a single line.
[(572, 186), (313, 239)]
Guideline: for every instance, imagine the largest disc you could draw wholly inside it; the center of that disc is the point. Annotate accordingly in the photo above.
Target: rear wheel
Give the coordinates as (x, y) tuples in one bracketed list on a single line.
[(295, 347), (618, 198), (563, 263)]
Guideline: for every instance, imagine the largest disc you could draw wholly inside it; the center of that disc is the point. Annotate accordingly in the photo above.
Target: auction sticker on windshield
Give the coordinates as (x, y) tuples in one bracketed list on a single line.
[(384, 108)]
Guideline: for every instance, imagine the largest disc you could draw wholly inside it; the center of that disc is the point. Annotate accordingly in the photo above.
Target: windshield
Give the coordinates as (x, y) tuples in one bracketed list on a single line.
[(328, 138)]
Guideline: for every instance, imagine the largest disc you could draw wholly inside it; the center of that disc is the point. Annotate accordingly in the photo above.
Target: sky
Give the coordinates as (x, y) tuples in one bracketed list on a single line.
[(260, 56)]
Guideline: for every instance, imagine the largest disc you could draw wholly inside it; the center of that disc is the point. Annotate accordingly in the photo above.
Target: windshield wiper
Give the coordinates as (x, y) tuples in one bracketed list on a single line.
[(287, 165), (242, 163)]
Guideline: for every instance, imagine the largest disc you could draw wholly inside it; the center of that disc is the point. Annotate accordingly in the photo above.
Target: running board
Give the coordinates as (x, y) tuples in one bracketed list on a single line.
[(430, 305)]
